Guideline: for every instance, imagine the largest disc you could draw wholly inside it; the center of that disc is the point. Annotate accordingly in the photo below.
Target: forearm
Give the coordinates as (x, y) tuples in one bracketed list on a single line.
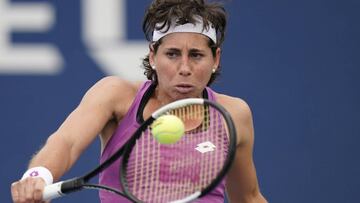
[(259, 198), (57, 155), (255, 197)]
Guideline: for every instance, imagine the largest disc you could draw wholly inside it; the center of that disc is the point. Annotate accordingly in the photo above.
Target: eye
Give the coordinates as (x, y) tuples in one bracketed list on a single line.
[(171, 54), (196, 55)]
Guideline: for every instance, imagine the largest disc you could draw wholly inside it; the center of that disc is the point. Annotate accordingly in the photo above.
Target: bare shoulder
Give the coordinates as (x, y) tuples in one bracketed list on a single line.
[(114, 83), (113, 87), (241, 114), (113, 92), (237, 107)]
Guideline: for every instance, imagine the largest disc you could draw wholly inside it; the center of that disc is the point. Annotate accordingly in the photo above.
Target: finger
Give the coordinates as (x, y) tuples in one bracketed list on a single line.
[(38, 189), (15, 192), (29, 190), (21, 191)]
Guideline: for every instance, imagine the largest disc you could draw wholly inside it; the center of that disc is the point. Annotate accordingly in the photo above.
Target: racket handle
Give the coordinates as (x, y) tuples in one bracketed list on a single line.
[(62, 188), (52, 191)]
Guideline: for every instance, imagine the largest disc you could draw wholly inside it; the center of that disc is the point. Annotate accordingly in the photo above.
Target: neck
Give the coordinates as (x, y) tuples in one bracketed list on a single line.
[(161, 98)]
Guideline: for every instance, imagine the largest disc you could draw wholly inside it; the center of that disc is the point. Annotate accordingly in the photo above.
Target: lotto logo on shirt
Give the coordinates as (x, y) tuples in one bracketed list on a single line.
[(205, 147)]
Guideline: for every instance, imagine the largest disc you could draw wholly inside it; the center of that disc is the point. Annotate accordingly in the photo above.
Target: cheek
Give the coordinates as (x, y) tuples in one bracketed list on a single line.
[(204, 72), (165, 72)]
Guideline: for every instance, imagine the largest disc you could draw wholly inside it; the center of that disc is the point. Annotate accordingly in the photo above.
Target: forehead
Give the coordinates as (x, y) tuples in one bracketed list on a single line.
[(180, 39)]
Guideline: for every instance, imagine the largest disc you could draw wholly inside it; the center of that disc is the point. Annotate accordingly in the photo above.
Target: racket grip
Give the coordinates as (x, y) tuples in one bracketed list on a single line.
[(52, 191), (61, 188)]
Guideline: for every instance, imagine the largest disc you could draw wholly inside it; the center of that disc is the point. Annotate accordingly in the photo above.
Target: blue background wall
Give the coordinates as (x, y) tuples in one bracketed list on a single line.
[(296, 63)]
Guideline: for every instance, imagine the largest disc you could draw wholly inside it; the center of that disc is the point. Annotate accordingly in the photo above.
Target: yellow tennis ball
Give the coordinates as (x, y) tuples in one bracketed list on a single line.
[(168, 129)]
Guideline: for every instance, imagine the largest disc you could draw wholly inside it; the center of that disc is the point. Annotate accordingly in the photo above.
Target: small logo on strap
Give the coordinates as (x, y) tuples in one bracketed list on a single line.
[(34, 174)]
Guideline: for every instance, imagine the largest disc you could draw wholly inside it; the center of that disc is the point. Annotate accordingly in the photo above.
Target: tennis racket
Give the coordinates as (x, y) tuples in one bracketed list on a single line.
[(178, 172)]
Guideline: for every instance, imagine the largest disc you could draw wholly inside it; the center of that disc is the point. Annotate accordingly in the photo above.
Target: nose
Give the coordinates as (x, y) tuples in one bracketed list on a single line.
[(185, 67)]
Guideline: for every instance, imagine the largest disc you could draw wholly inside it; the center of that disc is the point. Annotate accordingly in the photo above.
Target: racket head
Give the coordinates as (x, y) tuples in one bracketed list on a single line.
[(187, 169)]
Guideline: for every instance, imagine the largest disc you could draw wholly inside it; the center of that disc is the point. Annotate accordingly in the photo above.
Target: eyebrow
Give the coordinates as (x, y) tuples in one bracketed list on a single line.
[(172, 49), (191, 50)]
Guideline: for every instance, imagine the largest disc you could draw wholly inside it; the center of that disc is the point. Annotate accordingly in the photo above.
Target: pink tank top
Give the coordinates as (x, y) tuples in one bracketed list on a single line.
[(126, 128)]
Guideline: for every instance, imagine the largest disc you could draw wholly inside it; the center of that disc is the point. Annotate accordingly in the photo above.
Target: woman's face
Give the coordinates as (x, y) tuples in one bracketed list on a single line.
[(184, 64)]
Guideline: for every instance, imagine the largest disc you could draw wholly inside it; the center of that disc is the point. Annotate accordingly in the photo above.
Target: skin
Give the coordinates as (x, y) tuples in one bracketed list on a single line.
[(184, 64)]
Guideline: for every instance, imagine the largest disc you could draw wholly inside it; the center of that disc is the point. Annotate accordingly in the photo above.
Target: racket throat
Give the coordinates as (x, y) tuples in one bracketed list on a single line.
[(72, 185)]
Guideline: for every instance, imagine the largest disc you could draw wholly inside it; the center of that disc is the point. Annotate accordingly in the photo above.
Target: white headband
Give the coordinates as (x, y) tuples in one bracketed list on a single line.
[(198, 27)]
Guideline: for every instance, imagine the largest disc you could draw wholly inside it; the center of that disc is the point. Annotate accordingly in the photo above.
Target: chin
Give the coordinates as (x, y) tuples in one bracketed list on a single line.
[(185, 96)]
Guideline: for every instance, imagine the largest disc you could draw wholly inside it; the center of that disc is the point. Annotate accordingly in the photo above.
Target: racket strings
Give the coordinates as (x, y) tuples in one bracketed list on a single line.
[(163, 173)]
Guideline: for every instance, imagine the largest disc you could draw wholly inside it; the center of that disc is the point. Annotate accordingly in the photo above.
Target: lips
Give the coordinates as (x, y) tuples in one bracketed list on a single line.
[(184, 88)]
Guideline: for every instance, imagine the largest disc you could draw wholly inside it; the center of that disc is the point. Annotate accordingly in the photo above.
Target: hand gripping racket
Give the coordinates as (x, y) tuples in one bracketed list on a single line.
[(178, 172)]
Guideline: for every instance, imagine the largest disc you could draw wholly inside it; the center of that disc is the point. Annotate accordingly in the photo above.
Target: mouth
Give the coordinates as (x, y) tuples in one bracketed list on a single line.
[(184, 88)]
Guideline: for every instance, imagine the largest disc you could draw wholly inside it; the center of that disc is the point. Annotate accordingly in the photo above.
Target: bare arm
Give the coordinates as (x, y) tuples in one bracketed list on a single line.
[(63, 147), (241, 183)]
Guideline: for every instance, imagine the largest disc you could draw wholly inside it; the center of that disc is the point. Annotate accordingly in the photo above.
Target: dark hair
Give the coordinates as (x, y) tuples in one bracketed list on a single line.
[(164, 11)]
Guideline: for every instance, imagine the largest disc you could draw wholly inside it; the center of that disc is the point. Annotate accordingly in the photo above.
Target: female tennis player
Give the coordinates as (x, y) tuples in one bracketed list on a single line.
[(184, 59)]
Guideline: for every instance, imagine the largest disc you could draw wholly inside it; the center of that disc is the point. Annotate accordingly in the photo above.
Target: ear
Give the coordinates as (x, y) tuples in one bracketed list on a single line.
[(151, 55), (217, 57)]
